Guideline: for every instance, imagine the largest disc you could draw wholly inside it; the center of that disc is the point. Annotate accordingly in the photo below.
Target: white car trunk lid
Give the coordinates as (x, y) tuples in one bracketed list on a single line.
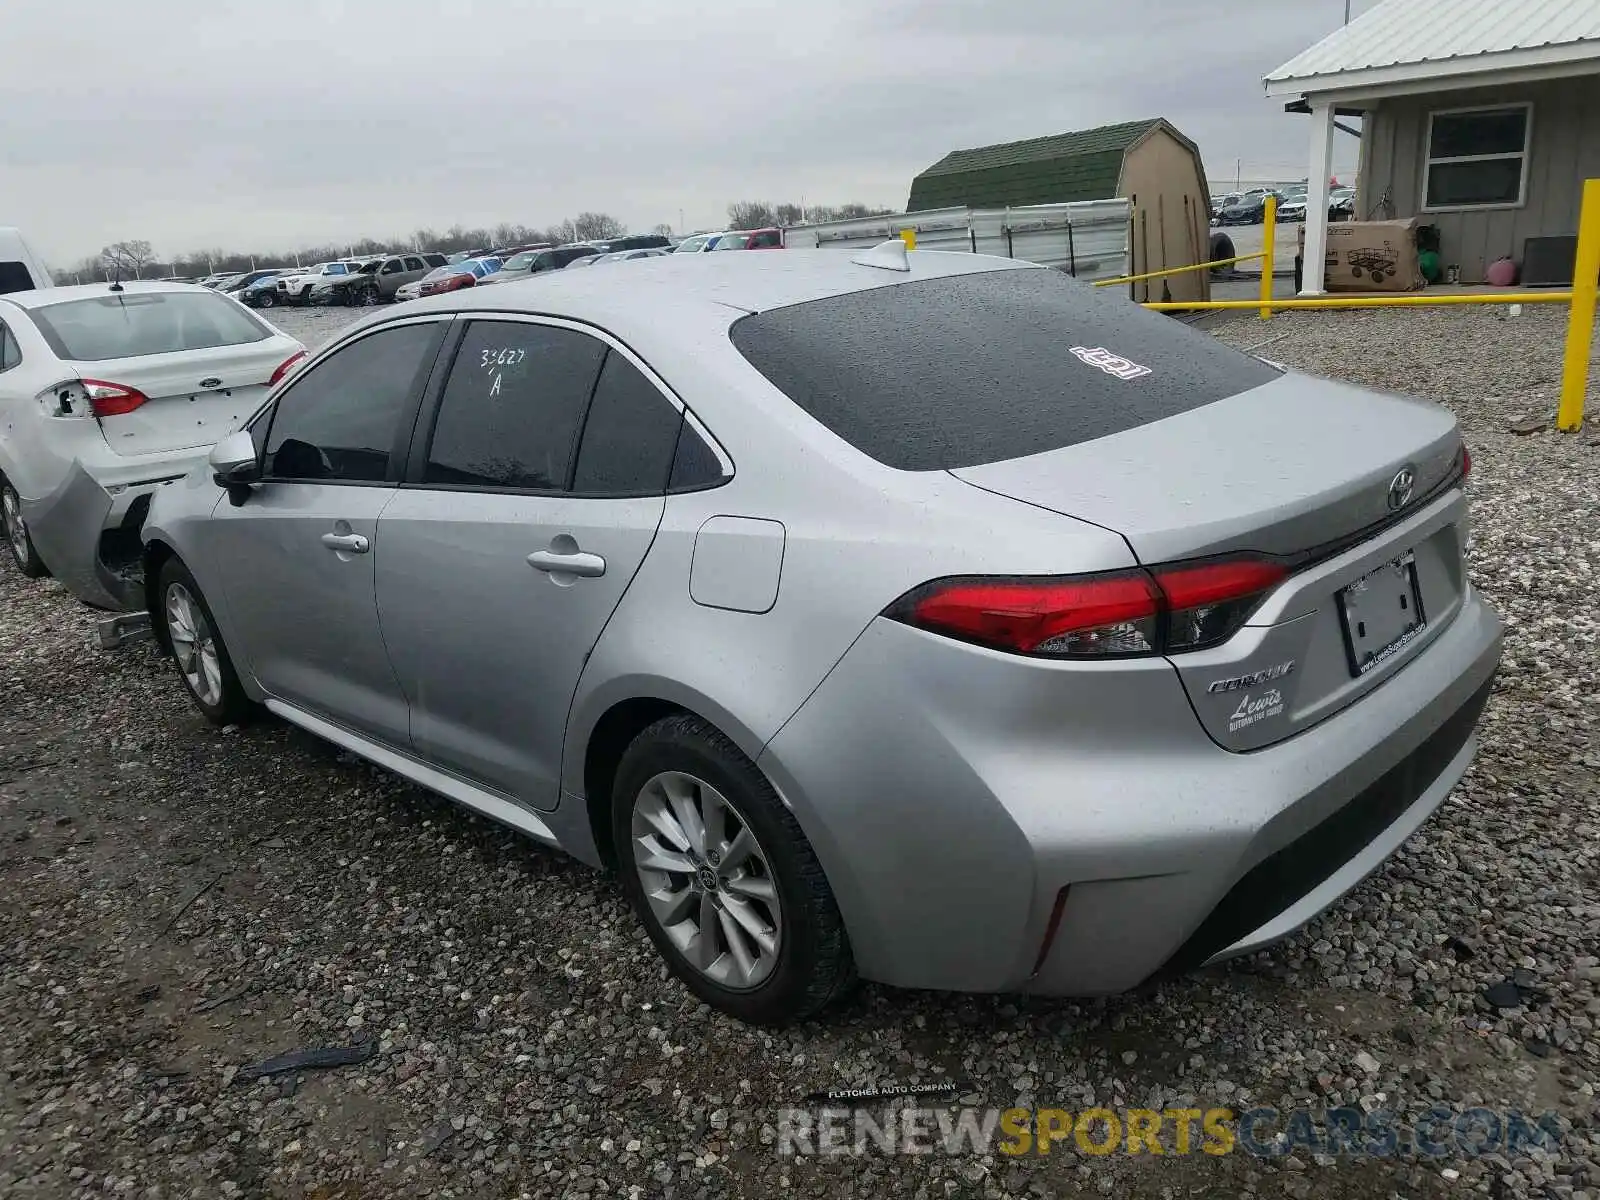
[(192, 397)]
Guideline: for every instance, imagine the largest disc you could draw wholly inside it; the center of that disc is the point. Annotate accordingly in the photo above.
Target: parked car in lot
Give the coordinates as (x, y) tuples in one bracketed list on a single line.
[(1041, 685), (263, 292), (538, 262), (107, 394), (454, 276), (296, 288), (235, 285), (374, 282), (1342, 204), (626, 256), (1292, 207), (749, 239), (1248, 209), (696, 243)]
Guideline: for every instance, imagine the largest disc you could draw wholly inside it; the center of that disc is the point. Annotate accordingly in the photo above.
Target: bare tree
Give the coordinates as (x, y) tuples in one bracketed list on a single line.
[(750, 214), (788, 214), (663, 230), (127, 258), (591, 225)]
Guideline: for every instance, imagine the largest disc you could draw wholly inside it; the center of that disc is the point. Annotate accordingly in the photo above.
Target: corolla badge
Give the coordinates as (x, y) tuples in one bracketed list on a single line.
[(1236, 683), (1401, 487)]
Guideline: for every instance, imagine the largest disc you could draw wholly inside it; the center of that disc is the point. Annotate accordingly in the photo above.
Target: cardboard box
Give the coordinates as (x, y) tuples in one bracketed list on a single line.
[(1371, 256)]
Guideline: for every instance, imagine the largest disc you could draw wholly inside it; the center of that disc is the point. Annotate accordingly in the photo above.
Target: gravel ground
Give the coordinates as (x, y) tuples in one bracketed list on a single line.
[(177, 903)]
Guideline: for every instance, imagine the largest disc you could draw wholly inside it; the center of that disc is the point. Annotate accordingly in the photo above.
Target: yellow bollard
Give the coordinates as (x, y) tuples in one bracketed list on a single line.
[(909, 237), (1269, 232), (1580, 323)]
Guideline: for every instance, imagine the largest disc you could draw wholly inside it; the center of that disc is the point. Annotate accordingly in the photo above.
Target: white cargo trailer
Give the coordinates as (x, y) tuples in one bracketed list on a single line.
[(1088, 239)]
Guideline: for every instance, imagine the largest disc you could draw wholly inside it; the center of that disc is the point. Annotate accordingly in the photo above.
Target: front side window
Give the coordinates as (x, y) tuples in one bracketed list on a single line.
[(133, 324), (513, 407), (340, 420), (1477, 157)]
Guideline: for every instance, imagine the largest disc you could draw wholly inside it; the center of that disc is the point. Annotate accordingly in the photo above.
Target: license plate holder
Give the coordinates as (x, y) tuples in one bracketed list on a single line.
[(1381, 613)]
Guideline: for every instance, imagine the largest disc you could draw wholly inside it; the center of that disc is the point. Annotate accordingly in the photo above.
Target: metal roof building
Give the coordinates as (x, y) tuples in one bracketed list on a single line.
[(1479, 116)]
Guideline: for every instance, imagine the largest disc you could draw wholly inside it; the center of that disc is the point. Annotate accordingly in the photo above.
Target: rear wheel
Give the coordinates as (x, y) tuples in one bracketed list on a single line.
[(202, 660), (18, 541), (722, 877), (266, 300)]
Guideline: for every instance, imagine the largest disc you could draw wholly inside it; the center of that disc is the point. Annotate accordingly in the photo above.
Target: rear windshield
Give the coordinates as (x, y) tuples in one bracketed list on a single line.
[(140, 323), (971, 369)]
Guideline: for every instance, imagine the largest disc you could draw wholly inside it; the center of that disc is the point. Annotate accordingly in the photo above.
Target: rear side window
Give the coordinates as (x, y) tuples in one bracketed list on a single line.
[(10, 352), (339, 421), (629, 436), (766, 240), (970, 369), (134, 324), (513, 407)]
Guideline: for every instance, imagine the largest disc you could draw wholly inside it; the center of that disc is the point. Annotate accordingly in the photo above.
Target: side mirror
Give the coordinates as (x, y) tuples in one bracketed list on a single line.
[(233, 461)]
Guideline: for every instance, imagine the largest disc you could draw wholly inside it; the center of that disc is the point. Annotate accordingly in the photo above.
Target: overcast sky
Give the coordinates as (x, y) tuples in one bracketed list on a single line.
[(272, 124)]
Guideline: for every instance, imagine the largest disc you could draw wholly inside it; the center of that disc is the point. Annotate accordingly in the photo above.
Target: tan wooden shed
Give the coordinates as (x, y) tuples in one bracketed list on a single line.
[(1150, 163)]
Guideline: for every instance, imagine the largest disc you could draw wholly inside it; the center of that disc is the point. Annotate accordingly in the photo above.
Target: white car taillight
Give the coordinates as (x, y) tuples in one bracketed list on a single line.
[(112, 399)]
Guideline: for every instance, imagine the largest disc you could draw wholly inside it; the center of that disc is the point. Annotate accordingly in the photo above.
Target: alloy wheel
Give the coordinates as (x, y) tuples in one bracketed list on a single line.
[(707, 880), (194, 645), (16, 528)]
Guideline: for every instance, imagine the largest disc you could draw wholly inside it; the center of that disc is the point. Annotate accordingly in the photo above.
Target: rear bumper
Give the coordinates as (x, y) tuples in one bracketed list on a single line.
[(953, 794), (69, 525)]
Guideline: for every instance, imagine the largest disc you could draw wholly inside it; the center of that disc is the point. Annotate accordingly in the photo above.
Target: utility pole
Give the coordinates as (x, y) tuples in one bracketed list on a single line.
[(1347, 12), (1238, 169)]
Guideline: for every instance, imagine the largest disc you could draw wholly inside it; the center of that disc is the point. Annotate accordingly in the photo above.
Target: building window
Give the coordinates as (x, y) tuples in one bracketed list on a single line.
[(1477, 157)]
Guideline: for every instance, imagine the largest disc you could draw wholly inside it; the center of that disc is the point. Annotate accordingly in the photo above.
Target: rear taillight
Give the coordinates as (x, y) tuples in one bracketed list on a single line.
[(112, 399), (1207, 602), (1163, 610), (1466, 462), (285, 367)]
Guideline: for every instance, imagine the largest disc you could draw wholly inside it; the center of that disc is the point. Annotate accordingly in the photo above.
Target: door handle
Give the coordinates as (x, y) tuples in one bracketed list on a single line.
[(350, 543), (589, 566)]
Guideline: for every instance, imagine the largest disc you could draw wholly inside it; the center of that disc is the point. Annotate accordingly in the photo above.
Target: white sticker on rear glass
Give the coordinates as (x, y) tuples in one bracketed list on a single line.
[(1111, 364)]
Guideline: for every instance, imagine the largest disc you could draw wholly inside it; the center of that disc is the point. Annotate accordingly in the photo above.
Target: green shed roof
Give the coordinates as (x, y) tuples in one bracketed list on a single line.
[(1047, 170)]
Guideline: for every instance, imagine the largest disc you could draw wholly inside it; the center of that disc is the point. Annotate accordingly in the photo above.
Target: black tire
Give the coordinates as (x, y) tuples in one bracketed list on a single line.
[(814, 964), (232, 707), (25, 557), (266, 300), (1356, 271), (1221, 248)]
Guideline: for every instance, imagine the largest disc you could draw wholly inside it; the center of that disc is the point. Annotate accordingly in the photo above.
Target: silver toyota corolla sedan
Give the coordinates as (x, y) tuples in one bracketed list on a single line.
[(931, 618)]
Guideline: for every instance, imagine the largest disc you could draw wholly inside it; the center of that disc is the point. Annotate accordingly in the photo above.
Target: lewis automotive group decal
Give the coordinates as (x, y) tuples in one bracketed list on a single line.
[(1256, 706)]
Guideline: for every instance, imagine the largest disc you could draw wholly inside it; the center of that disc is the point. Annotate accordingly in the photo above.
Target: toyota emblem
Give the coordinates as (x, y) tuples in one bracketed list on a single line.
[(1401, 486)]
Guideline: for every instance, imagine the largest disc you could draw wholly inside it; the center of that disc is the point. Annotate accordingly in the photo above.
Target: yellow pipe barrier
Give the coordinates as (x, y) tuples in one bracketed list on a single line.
[(1405, 301), (1269, 235), (1205, 266), (1580, 323)]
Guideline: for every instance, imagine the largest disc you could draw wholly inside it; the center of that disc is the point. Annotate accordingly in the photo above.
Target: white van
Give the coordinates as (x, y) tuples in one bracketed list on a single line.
[(21, 269)]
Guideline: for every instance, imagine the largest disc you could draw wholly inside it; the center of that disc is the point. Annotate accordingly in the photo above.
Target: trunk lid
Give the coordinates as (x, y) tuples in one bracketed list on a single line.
[(195, 397), (1301, 468), (1294, 464)]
